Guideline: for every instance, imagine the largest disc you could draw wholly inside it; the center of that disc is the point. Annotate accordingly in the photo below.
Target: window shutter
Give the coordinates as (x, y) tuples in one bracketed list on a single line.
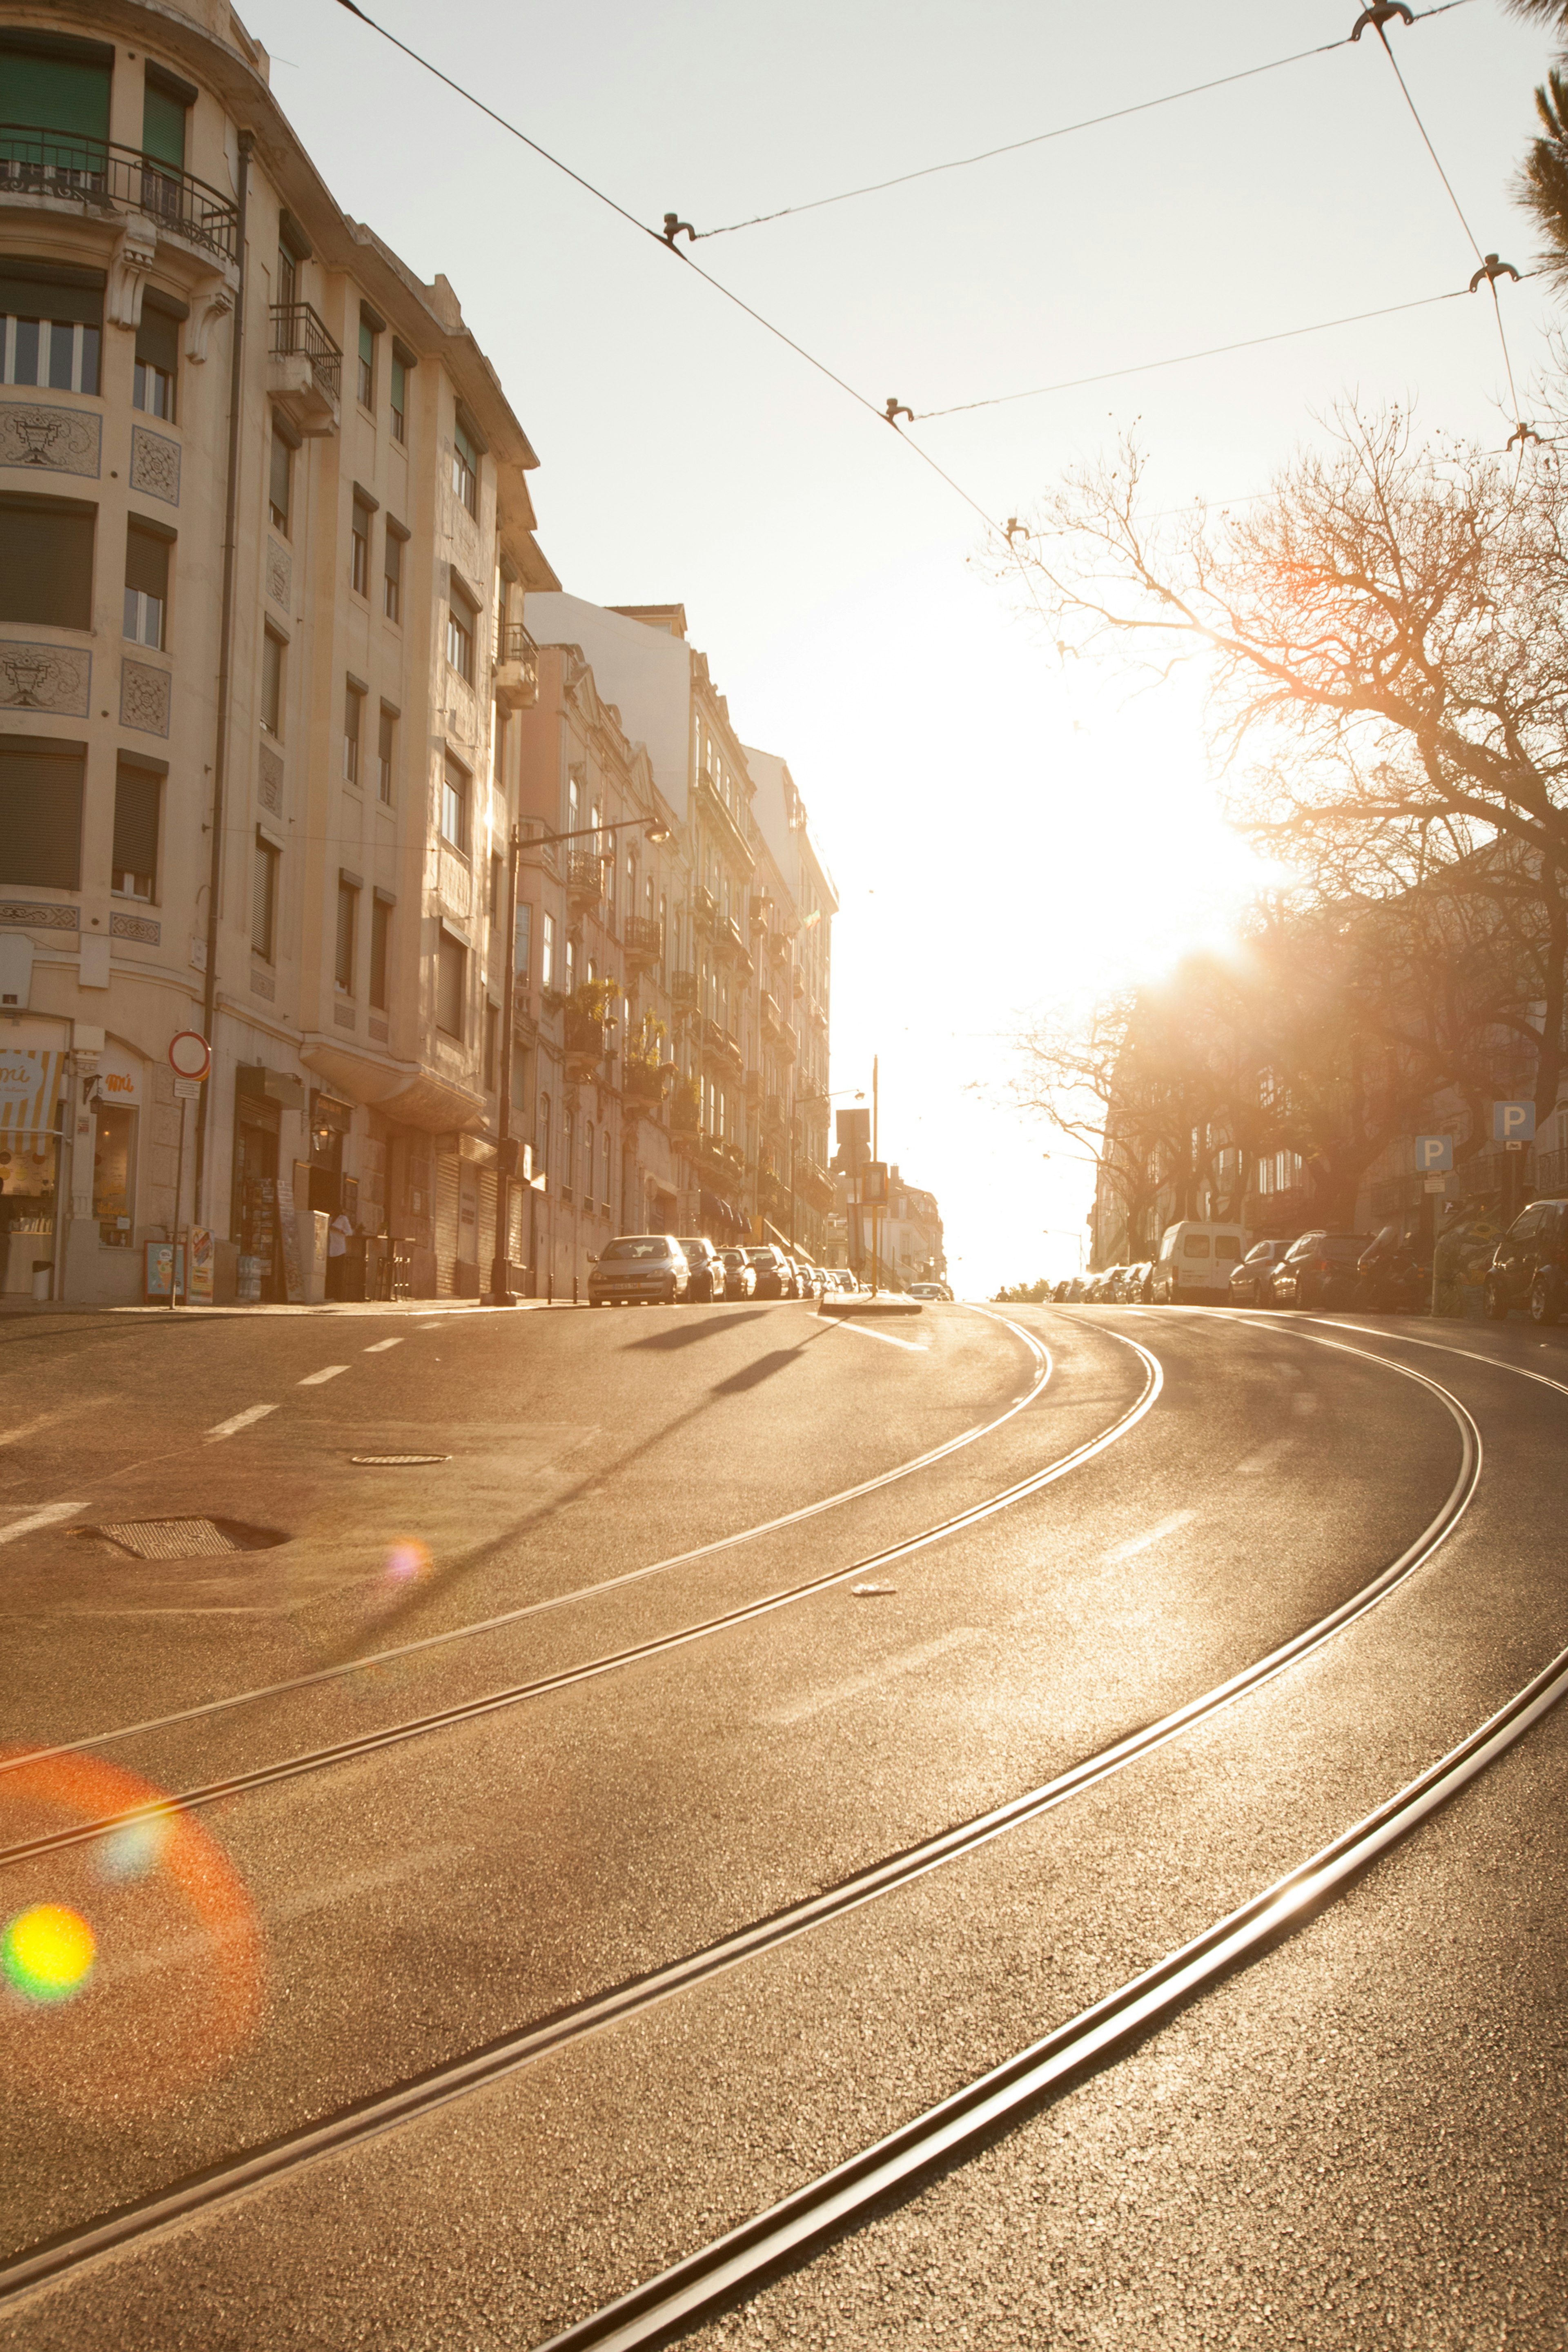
[(147, 563), (137, 794), (40, 811), (46, 561)]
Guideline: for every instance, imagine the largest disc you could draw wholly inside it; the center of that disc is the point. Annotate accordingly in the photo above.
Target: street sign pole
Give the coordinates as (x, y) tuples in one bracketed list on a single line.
[(190, 1058), (174, 1227)]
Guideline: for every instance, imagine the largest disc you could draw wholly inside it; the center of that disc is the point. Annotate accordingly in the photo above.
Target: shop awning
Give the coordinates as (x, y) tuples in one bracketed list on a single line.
[(29, 1082)]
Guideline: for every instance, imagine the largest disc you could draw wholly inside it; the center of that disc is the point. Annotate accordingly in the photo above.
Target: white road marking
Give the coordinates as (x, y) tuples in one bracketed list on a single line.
[(1266, 1456), (327, 1372), (1152, 1536), (380, 1347), (903, 1661), (866, 1332), (232, 1427), (45, 1517)]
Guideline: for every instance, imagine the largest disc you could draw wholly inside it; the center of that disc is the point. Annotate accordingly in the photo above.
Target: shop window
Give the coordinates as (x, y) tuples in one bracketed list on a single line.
[(138, 802), (46, 561), (271, 682), (451, 983), (391, 571), (40, 811), (358, 543), (157, 360), (348, 923), (51, 325), (386, 749), (455, 783), (113, 1172), (280, 480), (264, 900), (380, 939), (354, 729), (146, 586)]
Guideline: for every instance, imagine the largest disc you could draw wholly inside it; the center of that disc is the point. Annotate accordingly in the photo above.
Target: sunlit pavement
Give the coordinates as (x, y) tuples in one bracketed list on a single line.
[(1356, 2140)]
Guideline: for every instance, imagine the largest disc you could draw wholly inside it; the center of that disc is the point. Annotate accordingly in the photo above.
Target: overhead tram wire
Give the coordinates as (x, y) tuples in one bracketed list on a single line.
[(1042, 138), (667, 244)]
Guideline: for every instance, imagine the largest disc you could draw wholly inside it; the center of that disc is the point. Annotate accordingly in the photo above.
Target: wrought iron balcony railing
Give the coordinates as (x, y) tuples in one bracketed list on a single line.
[(644, 938), (298, 331), (585, 874), (96, 173)]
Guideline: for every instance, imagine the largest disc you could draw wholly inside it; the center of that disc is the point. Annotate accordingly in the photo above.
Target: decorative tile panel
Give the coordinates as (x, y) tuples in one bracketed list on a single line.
[(270, 779), (39, 916), (261, 986), (144, 698), (344, 1015), (136, 926), (57, 678), (378, 1030), (279, 574), (155, 465), (55, 440)]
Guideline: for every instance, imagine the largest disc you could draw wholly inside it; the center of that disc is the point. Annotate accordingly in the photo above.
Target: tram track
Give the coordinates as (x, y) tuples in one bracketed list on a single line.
[(404, 2102)]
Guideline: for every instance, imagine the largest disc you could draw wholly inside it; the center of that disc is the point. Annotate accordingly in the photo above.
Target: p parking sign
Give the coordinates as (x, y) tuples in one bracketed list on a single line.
[(1434, 1154), (1513, 1122)]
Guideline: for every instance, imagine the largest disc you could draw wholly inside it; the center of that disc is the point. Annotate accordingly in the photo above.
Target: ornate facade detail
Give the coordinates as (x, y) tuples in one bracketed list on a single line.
[(155, 465), (58, 440), (57, 678), (136, 926), (261, 985), (35, 916), (129, 270), (270, 779), (144, 698), (279, 574), (379, 1031), (210, 303), (343, 1015)]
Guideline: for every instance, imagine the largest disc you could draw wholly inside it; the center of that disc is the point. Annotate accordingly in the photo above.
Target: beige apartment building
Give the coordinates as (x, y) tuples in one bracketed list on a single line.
[(265, 535), (674, 1063)]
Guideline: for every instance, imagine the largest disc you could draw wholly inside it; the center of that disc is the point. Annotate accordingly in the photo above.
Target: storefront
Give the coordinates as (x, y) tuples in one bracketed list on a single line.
[(29, 1165), (260, 1097)]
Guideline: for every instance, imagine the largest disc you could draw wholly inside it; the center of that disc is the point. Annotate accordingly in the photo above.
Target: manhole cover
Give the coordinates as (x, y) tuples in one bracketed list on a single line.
[(182, 1538), (396, 1461)]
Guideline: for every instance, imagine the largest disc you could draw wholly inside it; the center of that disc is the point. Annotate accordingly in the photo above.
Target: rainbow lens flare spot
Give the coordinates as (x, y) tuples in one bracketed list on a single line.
[(406, 1563), (135, 1847), (46, 1953)]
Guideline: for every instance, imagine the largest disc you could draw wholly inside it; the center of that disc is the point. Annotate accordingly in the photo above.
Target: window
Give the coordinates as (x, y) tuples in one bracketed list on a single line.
[(146, 586), (287, 276), (605, 1174), (61, 83), (399, 399), (570, 965), (138, 799), (164, 105), (587, 1164), (460, 619), (523, 937), (386, 749), (46, 561), (40, 811), (547, 954), (354, 728), (379, 935), (498, 746), (451, 962), (264, 899), (348, 923), (366, 362), (497, 868), (51, 325), (358, 543), (271, 682), (568, 1150), (492, 1037), (1195, 1245), (543, 1136), (157, 360), (455, 805), (466, 467), (280, 480), (391, 572)]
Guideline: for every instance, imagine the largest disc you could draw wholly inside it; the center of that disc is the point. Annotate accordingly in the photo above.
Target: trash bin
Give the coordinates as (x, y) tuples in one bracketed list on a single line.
[(43, 1268)]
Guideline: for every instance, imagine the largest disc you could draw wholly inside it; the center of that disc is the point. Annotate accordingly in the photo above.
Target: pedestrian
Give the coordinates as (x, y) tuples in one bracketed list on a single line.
[(338, 1234)]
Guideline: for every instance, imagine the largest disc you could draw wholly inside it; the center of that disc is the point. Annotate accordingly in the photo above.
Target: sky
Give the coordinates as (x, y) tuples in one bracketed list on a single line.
[(1006, 834)]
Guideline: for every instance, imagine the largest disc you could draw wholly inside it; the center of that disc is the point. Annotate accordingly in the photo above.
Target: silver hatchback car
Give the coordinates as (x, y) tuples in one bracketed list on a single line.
[(639, 1269)]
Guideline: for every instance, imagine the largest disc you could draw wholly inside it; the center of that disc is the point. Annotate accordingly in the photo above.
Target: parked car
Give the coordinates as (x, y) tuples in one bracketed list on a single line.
[(1063, 1291), (639, 1269), (1390, 1276), (840, 1279), (809, 1278), (927, 1290), (1530, 1266), (1133, 1289), (775, 1275), (1077, 1290), (740, 1274), (1251, 1281), (1194, 1264), (707, 1269), (1098, 1290), (1319, 1269)]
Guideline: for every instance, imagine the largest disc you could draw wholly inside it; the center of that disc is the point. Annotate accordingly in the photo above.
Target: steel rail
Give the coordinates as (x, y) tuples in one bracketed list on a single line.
[(387, 2111), (1044, 1369), (445, 1718), (1096, 2034)]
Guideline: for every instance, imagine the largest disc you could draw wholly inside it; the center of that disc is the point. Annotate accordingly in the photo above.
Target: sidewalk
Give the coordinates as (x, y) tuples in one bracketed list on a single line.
[(22, 1309)]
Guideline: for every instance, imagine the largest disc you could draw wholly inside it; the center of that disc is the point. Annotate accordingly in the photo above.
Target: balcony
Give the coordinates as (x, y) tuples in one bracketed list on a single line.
[(516, 674), (304, 369), (584, 878), (797, 981), (731, 828), (757, 914), (683, 987), (753, 1085), (63, 167), (643, 938), (773, 1021), (773, 1115), (818, 1018), (704, 908), (643, 1084), (587, 1042), (730, 946)]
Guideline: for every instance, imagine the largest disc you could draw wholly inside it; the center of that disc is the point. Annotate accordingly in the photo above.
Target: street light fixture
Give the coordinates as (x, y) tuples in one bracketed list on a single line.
[(654, 830)]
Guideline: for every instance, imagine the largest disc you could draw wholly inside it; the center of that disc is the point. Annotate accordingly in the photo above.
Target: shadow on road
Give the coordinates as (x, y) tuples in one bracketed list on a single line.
[(762, 1370), (686, 1335)]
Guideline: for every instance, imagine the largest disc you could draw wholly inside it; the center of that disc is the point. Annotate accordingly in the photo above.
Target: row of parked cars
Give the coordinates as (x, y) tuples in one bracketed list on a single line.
[(663, 1269)]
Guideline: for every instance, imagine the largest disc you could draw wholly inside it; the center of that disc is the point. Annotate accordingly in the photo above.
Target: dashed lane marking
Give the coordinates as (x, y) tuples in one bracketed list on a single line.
[(1152, 1536), (237, 1421), (866, 1332), (380, 1347), (43, 1518), (327, 1372)]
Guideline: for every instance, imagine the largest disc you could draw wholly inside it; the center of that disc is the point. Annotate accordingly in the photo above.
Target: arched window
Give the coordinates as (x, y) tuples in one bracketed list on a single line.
[(569, 1138), (604, 1194), (587, 1164)]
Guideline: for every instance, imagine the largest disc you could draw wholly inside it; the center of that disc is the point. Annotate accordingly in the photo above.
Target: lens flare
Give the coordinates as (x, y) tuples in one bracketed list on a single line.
[(406, 1563), (46, 1953), (135, 1848)]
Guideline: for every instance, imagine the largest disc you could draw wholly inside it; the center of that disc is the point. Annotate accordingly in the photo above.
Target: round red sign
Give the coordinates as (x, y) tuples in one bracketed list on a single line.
[(190, 1055)]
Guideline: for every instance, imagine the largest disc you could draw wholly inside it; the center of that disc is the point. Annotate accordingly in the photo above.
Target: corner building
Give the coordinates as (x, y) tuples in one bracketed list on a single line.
[(265, 535)]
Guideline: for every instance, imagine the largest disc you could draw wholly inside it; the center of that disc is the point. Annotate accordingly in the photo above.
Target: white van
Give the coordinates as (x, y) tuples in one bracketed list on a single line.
[(1194, 1265)]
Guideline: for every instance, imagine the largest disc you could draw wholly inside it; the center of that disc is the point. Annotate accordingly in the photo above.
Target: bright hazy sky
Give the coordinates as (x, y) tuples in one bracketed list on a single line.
[(1002, 832)]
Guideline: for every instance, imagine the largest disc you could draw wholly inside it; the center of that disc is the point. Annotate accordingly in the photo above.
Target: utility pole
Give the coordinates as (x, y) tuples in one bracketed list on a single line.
[(876, 1155), (501, 1294)]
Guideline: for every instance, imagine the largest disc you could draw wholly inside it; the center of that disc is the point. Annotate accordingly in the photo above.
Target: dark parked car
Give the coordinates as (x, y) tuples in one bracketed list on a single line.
[(1390, 1279), (740, 1274), (1251, 1282), (707, 1268), (1530, 1266), (1134, 1288), (775, 1275), (1319, 1269), (639, 1269)]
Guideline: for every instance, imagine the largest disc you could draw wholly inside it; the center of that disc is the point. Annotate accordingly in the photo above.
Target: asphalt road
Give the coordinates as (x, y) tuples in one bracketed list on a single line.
[(594, 1689)]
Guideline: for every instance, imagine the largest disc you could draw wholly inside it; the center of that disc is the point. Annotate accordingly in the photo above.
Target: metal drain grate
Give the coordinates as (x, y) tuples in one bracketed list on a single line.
[(182, 1538), (397, 1461)]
